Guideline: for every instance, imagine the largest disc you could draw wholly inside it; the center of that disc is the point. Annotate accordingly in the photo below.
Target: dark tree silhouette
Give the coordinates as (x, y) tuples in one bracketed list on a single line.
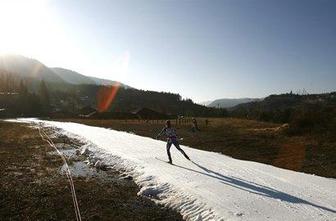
[(44, 97)]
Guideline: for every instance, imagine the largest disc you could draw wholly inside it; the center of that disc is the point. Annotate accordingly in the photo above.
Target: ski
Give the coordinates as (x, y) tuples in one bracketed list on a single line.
[(165, 161)]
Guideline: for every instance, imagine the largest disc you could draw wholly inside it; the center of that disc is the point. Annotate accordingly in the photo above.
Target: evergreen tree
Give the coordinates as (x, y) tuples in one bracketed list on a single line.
[(23, 91), (44, 97)]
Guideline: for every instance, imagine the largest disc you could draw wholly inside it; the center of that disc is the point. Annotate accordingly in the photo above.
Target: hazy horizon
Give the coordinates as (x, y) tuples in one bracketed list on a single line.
[(199, 49)]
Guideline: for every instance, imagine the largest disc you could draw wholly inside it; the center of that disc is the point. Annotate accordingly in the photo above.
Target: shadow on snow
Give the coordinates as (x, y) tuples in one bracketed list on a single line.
[(253, 187)]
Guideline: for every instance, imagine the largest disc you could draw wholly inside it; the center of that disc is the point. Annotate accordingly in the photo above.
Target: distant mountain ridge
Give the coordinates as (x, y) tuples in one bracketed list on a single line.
[(313, 111), (29, 68), (102, 81), (231, 102), (205, 103), (34, 70), (72, 76)]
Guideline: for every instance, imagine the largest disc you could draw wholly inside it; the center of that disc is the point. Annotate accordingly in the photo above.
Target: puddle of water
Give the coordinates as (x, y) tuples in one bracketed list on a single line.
[(87, 168), (80, 169), (68, 153)]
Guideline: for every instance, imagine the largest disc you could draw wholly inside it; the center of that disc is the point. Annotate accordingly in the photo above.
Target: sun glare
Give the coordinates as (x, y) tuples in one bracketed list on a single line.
[(27, 27)]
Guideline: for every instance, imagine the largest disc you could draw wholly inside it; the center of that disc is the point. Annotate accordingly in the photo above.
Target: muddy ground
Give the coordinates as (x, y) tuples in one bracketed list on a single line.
[(32, 186)]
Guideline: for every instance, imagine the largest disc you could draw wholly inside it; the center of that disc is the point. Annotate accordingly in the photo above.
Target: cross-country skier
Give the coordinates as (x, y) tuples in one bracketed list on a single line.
[(171, 139), (194, 126)]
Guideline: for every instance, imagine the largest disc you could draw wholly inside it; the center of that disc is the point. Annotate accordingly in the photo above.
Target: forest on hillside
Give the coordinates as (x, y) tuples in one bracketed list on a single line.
[(304, 113), (17, 100), (23, 97)]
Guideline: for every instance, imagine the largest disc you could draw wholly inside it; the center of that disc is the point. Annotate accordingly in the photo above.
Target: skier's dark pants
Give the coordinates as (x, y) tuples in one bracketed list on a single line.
[(176, 144)]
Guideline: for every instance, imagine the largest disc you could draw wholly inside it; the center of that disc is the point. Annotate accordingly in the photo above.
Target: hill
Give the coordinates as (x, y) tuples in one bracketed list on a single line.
[(205, 103), (101, 81), (304, 113), (35, 71), (168, 103), (28, 68), (69, 91), (72, 77), (128, 100), (76, 78), (230, 102)]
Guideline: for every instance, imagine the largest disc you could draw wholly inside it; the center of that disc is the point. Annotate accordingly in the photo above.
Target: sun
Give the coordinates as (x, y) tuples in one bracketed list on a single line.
[(26, 27), (39, 29)]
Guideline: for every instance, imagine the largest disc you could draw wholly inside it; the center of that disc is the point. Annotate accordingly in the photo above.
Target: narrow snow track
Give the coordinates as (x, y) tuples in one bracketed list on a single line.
[(212, 186)]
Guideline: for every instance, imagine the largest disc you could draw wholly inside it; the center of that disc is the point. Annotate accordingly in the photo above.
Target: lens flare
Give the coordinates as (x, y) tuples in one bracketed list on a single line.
[(105, 96)]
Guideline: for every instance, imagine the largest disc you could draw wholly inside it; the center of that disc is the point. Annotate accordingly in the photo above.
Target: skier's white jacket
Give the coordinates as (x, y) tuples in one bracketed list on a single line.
[(169, 132)]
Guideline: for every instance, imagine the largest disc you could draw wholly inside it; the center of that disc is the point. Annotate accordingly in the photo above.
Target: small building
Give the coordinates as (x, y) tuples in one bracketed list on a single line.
[(87, 111), (114, 115)]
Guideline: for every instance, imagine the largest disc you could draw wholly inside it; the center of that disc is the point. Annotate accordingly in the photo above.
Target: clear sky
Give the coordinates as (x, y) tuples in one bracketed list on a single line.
[(200, 49)]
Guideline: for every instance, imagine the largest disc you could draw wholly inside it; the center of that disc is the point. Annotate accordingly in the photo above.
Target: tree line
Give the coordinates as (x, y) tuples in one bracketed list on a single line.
[(21, 97), (17, 100), (303, 113)]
